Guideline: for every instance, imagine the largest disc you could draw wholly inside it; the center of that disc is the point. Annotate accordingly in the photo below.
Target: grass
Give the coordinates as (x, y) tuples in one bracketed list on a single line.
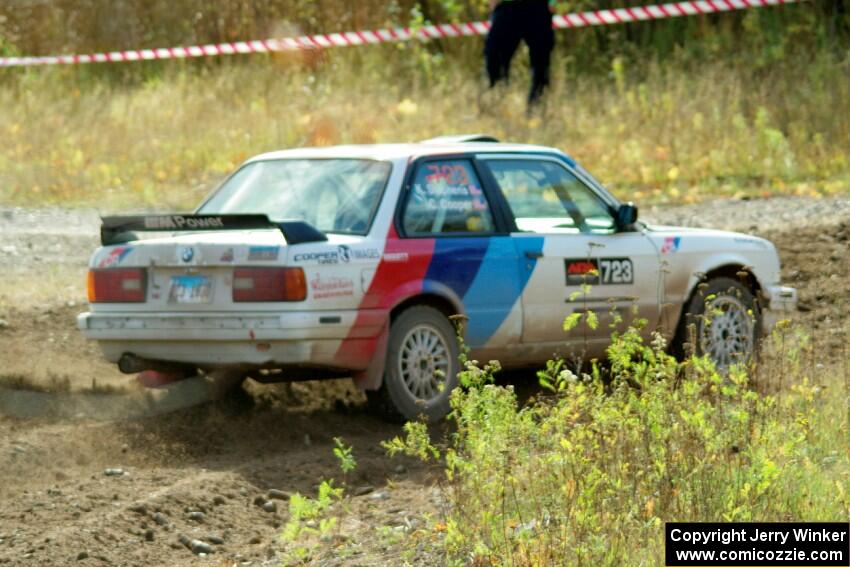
[(672, 132), (54, 384), (588, 474)]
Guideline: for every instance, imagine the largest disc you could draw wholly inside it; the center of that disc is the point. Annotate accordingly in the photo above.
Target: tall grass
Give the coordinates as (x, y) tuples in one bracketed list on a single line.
[(673, 131)]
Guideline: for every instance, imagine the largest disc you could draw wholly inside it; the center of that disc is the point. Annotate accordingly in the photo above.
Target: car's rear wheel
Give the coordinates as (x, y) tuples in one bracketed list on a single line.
[(722, 320), (421, 368)]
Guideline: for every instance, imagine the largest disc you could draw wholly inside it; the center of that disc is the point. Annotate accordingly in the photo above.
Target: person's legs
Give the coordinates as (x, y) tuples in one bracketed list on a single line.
[(501, 44), (540, 38)]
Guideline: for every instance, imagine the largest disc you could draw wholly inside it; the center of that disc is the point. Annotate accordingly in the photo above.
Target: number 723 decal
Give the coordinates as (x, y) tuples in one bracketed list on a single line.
[(599, 271)]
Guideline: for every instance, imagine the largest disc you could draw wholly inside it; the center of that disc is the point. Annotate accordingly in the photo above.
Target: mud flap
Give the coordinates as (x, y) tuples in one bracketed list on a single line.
[(220, 382), (156, 379), (373, 376)]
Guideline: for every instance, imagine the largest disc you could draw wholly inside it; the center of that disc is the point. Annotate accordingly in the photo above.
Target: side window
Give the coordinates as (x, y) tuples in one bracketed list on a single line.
[(545, 197), (446, 198)]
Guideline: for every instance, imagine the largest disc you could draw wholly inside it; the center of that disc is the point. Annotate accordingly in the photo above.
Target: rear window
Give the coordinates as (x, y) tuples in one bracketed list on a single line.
[(334, 195)]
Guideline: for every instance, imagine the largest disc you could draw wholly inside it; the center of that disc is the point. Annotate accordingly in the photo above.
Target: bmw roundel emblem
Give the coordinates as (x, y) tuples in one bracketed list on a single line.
[(187, 255)]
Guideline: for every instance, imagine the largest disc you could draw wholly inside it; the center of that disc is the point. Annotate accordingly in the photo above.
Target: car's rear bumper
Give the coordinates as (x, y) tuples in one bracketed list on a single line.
[(780, 302), (306, 338)]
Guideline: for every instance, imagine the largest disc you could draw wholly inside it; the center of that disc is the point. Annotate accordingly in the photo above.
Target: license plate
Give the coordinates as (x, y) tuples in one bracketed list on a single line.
[(190, 289)]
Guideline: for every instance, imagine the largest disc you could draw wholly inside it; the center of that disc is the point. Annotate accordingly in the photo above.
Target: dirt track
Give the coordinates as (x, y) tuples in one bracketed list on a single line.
[(58, 504)]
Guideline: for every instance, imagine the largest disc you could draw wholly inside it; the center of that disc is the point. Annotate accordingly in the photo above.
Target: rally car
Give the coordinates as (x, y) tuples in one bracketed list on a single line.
[(350, 261)]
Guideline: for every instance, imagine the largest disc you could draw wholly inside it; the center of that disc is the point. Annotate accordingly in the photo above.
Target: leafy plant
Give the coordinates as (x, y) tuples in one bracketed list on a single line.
[(589, 474), (344, 454), (305, 513), (311, 518)]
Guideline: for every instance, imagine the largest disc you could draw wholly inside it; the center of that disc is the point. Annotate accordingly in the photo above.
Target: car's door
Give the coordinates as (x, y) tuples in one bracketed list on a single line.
[(575, 257), (449, 212)]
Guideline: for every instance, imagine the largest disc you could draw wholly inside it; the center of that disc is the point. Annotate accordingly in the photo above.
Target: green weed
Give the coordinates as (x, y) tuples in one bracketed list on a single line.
[(312, 519), (590, 473)]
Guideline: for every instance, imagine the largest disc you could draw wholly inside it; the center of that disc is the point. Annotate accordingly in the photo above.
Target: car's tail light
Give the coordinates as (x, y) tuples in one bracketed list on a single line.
[(117, 285), (269, 284)]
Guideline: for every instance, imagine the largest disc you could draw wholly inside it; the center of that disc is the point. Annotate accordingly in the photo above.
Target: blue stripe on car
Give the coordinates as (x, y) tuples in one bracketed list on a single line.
[(456, 261), (485, 274)]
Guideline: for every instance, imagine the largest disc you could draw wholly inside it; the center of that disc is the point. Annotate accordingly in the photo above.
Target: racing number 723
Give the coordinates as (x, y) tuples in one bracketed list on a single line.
[(616, 270)]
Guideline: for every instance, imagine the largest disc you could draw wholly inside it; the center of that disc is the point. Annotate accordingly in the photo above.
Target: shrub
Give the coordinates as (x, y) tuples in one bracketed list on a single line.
[(588, 473)]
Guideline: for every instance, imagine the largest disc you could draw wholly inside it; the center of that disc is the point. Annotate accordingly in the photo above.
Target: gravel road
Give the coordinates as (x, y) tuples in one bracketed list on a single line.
[(79, 490), (36, 237)]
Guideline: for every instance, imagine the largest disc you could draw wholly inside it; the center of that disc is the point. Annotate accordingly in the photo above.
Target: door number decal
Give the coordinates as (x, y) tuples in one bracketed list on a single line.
[(599, 271)]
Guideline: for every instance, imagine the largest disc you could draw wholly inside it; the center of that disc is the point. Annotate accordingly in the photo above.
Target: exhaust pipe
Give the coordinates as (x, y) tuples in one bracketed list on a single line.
[(131, 364)]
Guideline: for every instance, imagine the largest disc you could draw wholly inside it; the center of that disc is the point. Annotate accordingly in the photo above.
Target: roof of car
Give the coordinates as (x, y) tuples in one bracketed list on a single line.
[(408, 150)]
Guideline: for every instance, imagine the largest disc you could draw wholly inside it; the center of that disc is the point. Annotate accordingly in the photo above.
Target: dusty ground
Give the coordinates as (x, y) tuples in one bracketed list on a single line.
[(60, 507)]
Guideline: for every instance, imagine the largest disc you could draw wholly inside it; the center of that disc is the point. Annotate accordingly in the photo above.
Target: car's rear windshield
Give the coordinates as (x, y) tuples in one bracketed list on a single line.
[(334, 195)]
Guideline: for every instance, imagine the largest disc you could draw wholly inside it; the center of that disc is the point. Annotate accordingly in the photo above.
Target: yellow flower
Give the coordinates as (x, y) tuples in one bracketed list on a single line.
[(406, 107), (673, 174)]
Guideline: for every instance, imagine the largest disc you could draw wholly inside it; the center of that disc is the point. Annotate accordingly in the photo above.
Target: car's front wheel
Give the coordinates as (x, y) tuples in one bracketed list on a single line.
[(722, 320), (421, 368)]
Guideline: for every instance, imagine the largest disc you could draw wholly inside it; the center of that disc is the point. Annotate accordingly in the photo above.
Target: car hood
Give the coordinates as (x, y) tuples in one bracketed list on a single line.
[(701, 250), (735, 239)]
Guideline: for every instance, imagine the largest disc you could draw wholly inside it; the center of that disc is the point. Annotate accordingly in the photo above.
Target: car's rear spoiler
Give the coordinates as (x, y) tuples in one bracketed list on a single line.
[(118, 230)]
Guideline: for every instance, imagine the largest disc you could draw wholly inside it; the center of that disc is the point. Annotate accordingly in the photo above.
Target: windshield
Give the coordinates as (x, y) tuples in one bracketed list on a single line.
[(333, 195)]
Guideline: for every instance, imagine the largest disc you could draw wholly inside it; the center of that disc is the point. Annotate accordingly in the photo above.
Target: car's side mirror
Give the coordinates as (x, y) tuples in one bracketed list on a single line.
[(627, 215)]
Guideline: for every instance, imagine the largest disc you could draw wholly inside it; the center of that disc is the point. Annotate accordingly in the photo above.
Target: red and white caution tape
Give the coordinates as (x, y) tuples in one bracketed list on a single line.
[(348, 39)]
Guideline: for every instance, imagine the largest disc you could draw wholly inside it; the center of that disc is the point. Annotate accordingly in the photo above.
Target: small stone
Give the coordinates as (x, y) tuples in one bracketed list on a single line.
[(219, 500), (214, 539), (196, 516), (114, 472), (255, 540), (307, 440), (4, 324), (125, 448), (401, 469), (160, 519), (201, 548), (381, 495), (259, 500), (363, 490), (184, 540), (148, 535), (276, 494), (270, 507), (82, 555), (140, 509)]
